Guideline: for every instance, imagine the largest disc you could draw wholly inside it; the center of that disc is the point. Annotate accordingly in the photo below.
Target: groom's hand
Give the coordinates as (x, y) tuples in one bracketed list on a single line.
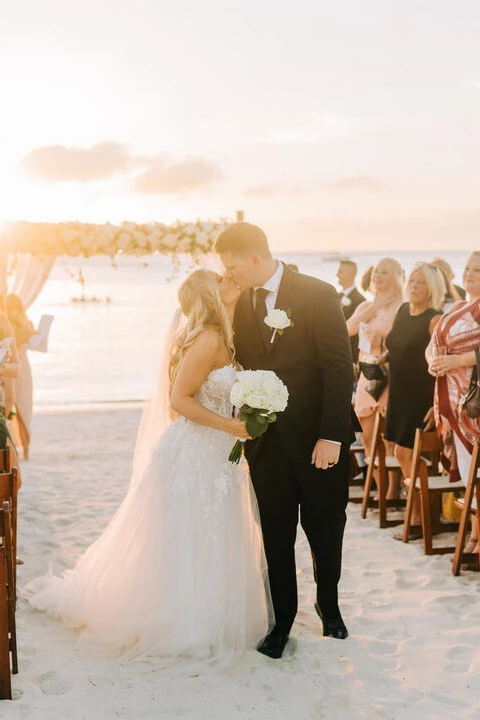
[(325, 454)]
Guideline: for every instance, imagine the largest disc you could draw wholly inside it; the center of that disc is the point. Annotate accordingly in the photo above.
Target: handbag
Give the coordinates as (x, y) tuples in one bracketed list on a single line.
[(377, 376), (470, 401)]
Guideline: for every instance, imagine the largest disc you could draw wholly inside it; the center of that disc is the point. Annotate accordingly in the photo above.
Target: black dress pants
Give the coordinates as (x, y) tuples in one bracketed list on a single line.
[(283, 486)]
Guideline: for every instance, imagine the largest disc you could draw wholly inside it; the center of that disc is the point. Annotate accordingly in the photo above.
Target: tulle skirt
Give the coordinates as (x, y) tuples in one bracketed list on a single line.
[(180, 570)]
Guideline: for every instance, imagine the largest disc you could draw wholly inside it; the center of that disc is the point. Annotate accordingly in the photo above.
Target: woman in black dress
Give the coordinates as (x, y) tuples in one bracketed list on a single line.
[(410, 400)]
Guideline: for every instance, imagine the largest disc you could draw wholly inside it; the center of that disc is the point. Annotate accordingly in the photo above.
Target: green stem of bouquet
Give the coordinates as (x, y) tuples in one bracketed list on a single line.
[(236, 453)]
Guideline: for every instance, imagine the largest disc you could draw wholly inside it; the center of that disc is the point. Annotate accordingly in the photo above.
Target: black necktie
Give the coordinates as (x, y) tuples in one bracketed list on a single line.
[(261, 314)]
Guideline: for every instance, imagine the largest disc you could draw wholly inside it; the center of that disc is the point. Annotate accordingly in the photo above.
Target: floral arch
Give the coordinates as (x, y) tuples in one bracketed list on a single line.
[(30, 249)]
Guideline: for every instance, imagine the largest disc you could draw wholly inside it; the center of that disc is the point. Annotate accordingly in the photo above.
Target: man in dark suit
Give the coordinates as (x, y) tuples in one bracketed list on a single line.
[(302, 460), (350, 297)]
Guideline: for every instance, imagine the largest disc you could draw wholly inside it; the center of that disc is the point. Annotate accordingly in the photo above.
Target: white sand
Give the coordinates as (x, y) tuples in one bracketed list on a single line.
[(413, 653)]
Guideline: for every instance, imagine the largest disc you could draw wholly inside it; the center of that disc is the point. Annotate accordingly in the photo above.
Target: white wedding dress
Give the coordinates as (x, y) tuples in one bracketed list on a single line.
[(180, 570)]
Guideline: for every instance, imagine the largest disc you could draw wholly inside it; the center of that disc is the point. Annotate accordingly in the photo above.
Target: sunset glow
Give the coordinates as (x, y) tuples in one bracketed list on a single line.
[(345, 126)]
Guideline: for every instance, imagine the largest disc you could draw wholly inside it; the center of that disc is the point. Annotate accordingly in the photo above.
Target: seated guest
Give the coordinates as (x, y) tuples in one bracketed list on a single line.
[(372, 321), (8, 372), (451, 358), (24, 329), (410, 396), (350, 297), (10, 367)]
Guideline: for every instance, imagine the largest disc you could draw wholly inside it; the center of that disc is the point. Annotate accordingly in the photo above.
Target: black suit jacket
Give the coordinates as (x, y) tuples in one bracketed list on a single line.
[(313, 359), (356, 297)]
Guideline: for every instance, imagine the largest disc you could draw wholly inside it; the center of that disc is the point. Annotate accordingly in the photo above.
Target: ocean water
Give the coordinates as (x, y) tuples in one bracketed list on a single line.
[(108, 351)]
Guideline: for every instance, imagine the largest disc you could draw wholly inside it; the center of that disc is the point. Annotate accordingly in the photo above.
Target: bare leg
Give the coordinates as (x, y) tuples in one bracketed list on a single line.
[(472, 542), (24, 437), (404, 456), (394, 476), (366, 435)]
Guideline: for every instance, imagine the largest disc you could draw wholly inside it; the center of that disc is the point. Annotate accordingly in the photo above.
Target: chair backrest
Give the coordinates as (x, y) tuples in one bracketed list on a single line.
[(9, 492), (377, 445), (425, 443), (5, 463), (5, 524), (7, 540), (474, 463), (430, 441), (7, 484)]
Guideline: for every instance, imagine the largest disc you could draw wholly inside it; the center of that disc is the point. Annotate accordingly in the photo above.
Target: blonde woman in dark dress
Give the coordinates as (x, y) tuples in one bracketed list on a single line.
[(410, 400)]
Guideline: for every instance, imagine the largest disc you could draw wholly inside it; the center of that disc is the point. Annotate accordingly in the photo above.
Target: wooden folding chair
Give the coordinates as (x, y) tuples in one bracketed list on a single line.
[(426, 479), (5, 676), (8, 633), (9, 492), (379, 464), (470, 505)]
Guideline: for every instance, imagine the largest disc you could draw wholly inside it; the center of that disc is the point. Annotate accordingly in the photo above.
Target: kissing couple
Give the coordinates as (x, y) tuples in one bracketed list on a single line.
[(199, 559)]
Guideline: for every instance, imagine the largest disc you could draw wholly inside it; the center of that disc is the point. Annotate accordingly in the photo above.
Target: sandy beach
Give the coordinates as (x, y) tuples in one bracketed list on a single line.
[(413, 652)]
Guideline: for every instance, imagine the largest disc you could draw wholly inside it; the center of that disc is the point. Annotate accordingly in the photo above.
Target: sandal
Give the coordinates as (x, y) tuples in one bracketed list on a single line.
[(412, 536)]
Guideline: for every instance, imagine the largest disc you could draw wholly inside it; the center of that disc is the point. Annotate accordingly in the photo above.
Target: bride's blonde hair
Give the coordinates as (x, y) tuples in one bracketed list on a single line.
[(201, 303)]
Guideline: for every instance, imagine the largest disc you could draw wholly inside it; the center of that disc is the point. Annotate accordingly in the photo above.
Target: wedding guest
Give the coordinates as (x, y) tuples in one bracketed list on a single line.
[(10, 367), (372, 321), (8, 372), (24, 329), (453, 292), (410, 395), (350, 297), (451, 358)]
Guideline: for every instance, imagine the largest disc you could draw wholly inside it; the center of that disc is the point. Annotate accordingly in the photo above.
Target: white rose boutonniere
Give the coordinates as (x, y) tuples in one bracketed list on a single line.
[(345, 301), (279, 320)]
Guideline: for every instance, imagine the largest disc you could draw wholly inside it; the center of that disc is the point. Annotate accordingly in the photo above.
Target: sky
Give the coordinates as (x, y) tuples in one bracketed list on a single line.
[(346, 125)]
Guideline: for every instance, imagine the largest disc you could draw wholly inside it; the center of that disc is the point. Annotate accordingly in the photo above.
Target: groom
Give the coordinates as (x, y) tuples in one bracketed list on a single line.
[(301, 462)]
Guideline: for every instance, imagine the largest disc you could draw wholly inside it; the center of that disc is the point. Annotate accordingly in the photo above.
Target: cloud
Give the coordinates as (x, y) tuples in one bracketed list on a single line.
[(166, 177), (273, 189), (357, 182), (158, 175), (57, 163)]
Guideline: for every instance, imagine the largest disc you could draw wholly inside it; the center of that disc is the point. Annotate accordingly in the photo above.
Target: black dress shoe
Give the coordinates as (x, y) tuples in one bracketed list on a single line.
[(273, 645), (332, 627)]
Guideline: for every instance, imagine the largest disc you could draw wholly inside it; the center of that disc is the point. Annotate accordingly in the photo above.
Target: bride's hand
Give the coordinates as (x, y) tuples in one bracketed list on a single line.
[(237, 428)]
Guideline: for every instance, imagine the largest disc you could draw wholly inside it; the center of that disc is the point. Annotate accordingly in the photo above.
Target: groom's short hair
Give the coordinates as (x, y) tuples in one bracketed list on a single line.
[(243, 239)]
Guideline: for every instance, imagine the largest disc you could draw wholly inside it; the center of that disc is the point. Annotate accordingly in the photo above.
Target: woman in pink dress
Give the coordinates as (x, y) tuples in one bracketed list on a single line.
[(373, 320), (9, 368), (451, 358), (24, 330)]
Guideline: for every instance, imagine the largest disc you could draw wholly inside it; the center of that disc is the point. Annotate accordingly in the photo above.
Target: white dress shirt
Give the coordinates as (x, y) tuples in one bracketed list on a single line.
[(272, 285), (348, 290)]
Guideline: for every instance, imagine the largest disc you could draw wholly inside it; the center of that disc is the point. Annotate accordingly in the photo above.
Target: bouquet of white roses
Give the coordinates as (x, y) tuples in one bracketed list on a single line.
[(259, 395)]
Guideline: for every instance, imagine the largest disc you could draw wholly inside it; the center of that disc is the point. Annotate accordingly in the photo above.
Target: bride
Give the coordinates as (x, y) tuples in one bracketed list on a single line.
[(180, 570)]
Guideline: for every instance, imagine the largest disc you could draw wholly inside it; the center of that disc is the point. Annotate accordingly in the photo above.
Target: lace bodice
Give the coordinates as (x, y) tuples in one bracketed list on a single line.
[(215, 391)]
